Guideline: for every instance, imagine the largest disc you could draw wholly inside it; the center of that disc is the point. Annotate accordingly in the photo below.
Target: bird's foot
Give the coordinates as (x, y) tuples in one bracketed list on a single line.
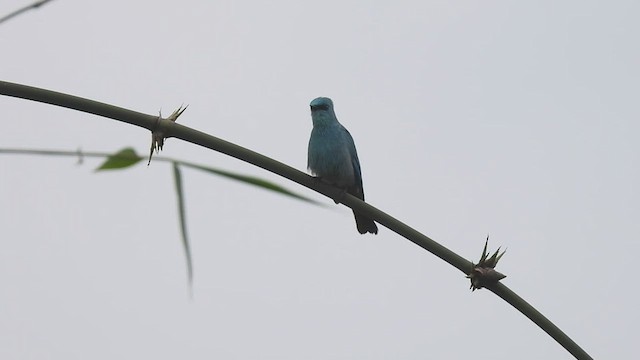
[(338, 194)]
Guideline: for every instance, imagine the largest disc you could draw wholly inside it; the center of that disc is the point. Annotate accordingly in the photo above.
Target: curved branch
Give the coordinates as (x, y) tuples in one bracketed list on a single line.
[(171, 129), (35, 5)]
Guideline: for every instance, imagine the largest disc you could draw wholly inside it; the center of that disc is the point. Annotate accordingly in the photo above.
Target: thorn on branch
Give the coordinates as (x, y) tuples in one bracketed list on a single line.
[(158, 133), (484, 274)]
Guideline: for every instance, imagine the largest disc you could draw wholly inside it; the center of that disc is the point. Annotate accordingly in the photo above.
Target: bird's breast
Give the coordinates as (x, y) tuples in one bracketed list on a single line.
[(329, 157)]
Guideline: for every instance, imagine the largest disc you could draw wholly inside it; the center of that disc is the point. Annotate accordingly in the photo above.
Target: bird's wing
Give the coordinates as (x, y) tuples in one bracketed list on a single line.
[(356, 190)]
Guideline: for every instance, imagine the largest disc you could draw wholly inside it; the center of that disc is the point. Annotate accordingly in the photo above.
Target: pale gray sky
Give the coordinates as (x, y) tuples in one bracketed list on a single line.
[(518, 119)]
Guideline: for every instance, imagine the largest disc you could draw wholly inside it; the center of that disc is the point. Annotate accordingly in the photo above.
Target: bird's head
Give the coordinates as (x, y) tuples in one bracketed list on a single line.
[(321, 103), (322, 112)]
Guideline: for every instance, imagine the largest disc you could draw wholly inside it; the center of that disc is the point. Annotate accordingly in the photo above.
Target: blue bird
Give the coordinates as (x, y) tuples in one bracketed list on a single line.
[(333, 158)]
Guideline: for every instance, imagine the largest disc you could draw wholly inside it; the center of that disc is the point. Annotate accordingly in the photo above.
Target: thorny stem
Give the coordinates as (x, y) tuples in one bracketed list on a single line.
[(196, 137)]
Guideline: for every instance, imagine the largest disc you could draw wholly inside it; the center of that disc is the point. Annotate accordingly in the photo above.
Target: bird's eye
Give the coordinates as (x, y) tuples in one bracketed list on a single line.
[(320, 107)]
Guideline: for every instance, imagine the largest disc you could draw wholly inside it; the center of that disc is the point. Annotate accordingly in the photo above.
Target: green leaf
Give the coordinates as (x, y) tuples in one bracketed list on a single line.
[(122, 159), (252, 180), (177, 177)]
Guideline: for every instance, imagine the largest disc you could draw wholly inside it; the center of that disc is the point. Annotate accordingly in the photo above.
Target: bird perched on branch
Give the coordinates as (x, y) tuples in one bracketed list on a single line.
[(333, 158)]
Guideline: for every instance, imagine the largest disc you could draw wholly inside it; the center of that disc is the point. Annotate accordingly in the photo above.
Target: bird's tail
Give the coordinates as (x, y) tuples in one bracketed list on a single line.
[(364, 224)]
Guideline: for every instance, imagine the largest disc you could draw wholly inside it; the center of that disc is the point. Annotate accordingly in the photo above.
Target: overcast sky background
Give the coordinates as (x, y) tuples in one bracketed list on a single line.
[(517, 119)]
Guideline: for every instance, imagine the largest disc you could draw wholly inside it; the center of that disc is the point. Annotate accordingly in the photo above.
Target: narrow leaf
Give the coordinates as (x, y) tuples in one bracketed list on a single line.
[(122, 159), (177, 177), (252, 180)]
